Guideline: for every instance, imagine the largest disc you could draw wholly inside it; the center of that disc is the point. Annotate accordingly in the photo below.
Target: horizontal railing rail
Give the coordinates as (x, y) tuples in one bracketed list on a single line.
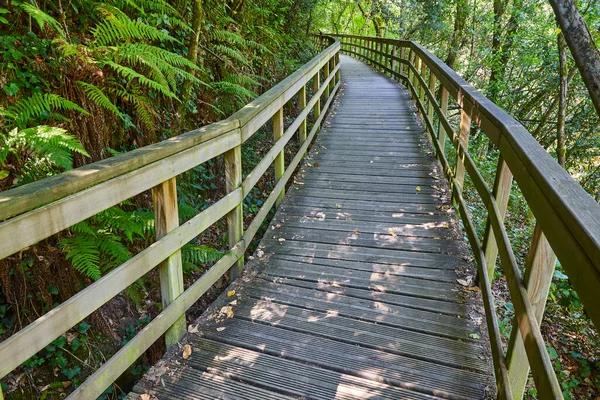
[(567, 218), (41, 209)]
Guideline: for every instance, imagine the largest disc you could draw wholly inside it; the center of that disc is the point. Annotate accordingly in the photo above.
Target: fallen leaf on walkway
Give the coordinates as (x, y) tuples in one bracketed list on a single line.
[(231, 293), (356, 232), (281, 240), (474, 336), (335, 284), (192, 328), (338, 206), (462, 282), (227, 310), (393, 233), (187, 351), (145, 396), (220, 329), (474, 289), (418, 188)]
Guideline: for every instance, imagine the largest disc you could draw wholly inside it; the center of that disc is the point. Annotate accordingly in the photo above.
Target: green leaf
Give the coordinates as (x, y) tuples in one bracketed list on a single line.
[(4, 173), (83, 327), (552, 352), (52, 290), (474, 336)]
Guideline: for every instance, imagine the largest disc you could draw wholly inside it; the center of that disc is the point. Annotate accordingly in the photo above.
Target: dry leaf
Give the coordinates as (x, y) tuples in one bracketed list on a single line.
[(315, 164), (193, 329), (474, 289), (418, 188), (335, 284), (356, 232), (281, 240), (220, 329), (227, 310), (338, 206), (393, 233), (462, 282), (231, 293), (187, 351), (145, 396)]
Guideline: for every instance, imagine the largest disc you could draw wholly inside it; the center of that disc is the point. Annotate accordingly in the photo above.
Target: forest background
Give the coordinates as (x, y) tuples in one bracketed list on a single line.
[(83, 80)]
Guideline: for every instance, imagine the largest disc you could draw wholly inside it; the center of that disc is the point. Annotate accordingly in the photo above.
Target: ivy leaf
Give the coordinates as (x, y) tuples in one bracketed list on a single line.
[(552, 352)]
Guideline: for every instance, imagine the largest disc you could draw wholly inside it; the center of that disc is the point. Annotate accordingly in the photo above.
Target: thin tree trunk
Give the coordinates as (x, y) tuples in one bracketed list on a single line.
[(561, 151), (458, 35), (192, 51), (582, 46)]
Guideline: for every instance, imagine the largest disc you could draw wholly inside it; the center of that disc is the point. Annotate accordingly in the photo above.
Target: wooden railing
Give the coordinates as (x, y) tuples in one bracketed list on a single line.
[(41, 209), (568, 219)]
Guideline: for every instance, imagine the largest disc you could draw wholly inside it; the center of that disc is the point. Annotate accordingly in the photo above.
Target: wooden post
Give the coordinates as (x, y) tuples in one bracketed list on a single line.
[(409, 70), (444, 109), (338, 75), (166, 218), (463, 136), (393, 60), (279, 163), (423, 75), (539, 269), (235, 218), (502, 186), (430, 103), (415, 82), (332, 81), (325, 76), (316, 87), (302, 106), (403, 57)]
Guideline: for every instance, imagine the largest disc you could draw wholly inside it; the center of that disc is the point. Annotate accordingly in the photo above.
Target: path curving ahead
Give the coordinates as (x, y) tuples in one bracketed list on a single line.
[(355, 293)]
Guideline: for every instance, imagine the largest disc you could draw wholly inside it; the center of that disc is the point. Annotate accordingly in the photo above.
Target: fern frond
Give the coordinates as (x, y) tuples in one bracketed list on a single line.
[(193, 255), (231, 53), (95, 94), (116, 220), (52, 143), (111, 246), (81, 249), (114, 30), (42, 18), (38, 105), (240, 92), (186, 212), (131, 74), (241, 79)]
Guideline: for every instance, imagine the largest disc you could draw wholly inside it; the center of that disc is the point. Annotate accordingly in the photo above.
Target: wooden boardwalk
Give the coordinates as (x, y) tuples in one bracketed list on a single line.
[(353, 293)]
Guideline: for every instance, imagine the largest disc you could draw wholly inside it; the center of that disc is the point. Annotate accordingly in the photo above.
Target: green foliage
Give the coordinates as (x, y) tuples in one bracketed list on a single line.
[(36, 152)]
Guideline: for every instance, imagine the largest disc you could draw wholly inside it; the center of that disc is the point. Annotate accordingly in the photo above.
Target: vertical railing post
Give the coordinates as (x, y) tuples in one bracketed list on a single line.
[(302, 106), (325, 76), (417, 65), (423, 75), (444, 109), (539, 269), (166, 218), (316, 87), (502, 186), (463, 137), (409, 69), (430, 102), (403, 57), (338, 75), (235, 218), (332, 80), (393, 60), (279, 162)]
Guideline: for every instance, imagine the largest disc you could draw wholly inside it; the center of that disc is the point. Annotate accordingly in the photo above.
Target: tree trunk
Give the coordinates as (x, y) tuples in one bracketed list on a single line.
[(582, 46), (561, 151), (192, 52), (462, 11), (493, 88)]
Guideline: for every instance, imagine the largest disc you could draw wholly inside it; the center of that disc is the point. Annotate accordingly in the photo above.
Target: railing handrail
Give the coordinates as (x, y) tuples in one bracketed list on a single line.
[(566, 215), (43, 208)]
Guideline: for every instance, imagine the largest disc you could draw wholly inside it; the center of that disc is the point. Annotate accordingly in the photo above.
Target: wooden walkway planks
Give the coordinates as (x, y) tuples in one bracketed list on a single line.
[(354, 292)]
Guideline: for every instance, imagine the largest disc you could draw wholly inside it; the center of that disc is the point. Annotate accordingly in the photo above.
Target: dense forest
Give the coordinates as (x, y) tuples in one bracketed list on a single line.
[(83, 81)]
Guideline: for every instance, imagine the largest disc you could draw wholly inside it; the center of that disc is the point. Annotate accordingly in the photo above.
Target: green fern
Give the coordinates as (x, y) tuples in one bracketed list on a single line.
[(193, 256), (40, 149), (95, 94), (83, 252), (37, 106), (42, 18), (115, 29)]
